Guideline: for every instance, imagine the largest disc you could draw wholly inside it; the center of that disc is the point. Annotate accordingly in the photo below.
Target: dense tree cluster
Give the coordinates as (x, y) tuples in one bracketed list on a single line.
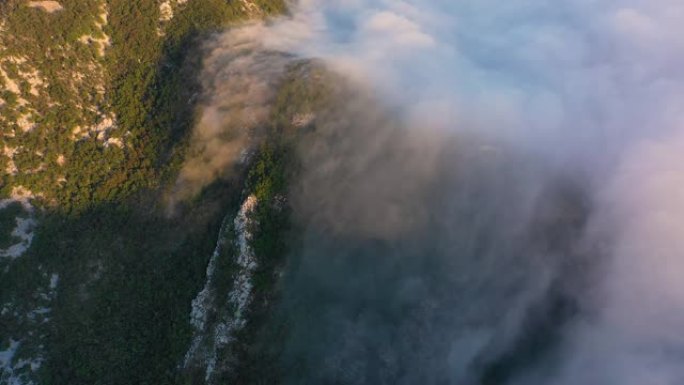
[(127, 271)]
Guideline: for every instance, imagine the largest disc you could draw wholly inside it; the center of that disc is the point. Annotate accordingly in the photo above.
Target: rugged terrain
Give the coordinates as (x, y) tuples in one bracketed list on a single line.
[(97, 104), (341, 192)]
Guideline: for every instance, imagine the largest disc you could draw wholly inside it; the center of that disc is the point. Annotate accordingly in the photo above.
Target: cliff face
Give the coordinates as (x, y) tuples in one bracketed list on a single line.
[(97, 102)]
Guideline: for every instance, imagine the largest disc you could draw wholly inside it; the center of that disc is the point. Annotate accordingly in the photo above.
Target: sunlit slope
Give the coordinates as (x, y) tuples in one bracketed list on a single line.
[(97, 99)]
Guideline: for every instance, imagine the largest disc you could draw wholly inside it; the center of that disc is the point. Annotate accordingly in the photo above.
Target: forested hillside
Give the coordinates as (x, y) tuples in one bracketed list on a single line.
[(96, 96), (97, 103), (210, 192)]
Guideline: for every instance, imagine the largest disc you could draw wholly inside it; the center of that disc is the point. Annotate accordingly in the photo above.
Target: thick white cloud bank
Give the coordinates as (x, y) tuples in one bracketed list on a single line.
[(636, 336), (592, 74), (591, 85)]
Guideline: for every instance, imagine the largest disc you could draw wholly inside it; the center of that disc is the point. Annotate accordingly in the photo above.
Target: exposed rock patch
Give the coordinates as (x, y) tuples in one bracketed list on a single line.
[(47, 6)]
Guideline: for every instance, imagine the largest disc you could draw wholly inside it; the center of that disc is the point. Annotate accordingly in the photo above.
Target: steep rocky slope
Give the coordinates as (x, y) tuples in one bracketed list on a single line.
[(97, 102)]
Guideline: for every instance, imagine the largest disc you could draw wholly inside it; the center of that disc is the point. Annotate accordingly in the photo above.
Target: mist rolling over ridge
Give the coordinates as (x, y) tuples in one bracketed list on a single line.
[(495, 199), (467, 192)]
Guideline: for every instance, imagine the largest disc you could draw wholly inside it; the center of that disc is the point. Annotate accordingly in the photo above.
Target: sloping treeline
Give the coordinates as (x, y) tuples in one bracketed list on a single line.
[(127, 272)]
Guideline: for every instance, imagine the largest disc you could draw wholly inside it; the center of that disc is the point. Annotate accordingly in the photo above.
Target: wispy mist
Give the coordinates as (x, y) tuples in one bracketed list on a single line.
[(498, 198), (238, 82)]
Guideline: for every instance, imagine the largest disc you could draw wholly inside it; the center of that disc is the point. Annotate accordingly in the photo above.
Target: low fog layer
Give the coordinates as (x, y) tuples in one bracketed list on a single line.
[(497, 200)]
